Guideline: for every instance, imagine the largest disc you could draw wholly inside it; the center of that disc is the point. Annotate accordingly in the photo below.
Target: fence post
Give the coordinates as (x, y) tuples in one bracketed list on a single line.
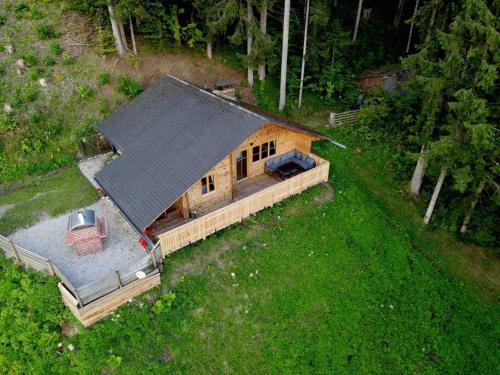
[(118, 279), (153, 257), (15, 253), (52, 268), (331, 120)]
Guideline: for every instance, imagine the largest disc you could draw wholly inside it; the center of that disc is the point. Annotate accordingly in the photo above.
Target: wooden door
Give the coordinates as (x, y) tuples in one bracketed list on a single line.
[(241, 165)]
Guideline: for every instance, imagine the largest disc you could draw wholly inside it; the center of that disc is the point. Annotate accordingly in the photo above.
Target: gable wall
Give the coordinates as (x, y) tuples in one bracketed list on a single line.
[(286, 140), (225, 171)]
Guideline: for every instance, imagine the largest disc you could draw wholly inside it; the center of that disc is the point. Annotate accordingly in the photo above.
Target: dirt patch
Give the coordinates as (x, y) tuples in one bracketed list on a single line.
[(78, 34), (187, 65), (68, 329), (166, 355), (325, 196)]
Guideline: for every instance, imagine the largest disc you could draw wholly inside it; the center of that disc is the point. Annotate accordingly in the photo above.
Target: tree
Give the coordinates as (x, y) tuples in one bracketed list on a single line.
[(356, 25), (249, 29), (304, 50), (415, 10), (458, 81), (118, 31), (263, 31), (284, 55)]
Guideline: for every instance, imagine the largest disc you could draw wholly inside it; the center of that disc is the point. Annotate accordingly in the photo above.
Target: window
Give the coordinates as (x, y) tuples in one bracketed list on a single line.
[(207, 184), (256, 154), (241, 165), (264, 151), (272, 148)]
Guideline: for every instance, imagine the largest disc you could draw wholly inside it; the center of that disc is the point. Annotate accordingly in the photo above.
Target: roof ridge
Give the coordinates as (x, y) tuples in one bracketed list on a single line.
[(219, 98)]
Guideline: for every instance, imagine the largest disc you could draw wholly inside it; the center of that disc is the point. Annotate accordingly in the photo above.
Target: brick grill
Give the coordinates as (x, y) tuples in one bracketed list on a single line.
[(86, 241)]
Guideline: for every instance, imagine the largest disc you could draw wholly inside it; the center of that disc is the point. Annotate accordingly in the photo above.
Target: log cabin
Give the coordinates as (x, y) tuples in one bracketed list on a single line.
[(189, 163)]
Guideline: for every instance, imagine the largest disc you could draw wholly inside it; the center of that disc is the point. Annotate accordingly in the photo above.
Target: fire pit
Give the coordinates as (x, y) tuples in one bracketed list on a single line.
[(85, 232)]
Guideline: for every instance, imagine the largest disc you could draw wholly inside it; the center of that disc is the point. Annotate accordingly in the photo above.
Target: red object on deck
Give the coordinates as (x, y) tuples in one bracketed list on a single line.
[(143, 243)]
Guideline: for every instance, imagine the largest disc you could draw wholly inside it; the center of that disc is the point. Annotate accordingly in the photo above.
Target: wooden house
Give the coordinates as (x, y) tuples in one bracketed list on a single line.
[(191, 163)]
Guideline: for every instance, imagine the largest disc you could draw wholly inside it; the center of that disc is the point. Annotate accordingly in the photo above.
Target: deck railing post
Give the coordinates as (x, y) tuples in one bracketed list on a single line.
[(52, 268), (16, 254), (118, 279), (153, 257)]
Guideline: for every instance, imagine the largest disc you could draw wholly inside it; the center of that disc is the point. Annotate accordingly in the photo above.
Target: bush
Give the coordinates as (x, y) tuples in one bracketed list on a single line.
[(44, 31), (31, 59), (129, 87), (68, 59), (35, 14), (49, 61), (84, 91), (8, 121), (21, 10), (31, 93), (104, 78), (34, 74), (55, 48), (3, 19)]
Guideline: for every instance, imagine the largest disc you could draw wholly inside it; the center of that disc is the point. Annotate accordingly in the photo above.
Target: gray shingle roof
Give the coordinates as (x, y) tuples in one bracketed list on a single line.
[(169, 137)]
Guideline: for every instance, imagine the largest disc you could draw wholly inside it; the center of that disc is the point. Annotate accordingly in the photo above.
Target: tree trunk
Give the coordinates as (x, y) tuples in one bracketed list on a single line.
[(473, 204), (249, 43), (435, 195), (418, 175), (356, 26), (411, 26), (284, 55), (399, 11), (120, 48), (123, 35), (177, 36), (132, 35), (263, 30), (431, 23), (304, 50), (209, 50)]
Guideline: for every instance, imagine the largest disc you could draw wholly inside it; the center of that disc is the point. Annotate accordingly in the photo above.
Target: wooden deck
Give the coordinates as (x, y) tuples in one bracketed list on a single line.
[(249, 196)]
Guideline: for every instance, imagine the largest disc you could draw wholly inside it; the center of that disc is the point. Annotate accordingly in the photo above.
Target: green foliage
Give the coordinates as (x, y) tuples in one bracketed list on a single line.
[(163, 304), (68, 59), (30, 58), (3, 19), (8, 121), (25, 297), (49, 61), (21, 10), (45, 31), (31, 93), (55, 48), (104, 78), (128, 86), (84, 92)]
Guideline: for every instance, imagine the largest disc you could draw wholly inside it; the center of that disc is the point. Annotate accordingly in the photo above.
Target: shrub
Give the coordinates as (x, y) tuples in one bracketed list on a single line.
[(44, 31), (3, 19), (49, 61), (84, 91), (68, 59), (30, 59), (104, 78), (31, 93), (21, 10), (34, 73), (55, 48), (129, 87), (35, 14), (8, 121), (163, 304)]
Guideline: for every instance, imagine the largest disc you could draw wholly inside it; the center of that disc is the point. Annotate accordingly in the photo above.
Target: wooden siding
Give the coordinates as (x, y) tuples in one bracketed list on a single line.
[(223, 188), (286, 140), (200, 228)]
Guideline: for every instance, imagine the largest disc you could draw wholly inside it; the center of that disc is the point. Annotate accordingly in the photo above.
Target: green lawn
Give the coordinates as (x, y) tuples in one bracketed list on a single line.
[(25, 201), (320, 285)]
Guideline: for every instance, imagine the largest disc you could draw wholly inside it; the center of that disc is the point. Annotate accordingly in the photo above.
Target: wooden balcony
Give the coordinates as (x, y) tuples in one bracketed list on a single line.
[(250, 196)]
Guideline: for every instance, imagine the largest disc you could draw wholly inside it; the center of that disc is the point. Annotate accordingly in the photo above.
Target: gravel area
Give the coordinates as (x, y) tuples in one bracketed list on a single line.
[(121, 247), (93, 165)]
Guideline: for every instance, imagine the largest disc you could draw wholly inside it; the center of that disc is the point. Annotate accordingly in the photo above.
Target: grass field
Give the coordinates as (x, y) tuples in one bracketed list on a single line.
[(322, 283)]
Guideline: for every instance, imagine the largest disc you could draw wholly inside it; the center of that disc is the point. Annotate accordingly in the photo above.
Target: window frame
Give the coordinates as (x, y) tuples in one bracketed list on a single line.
[(264, 149), (255, 154), (205, 183)]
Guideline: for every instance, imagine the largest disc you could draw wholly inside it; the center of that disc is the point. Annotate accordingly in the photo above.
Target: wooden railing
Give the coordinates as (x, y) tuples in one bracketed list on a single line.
[(200, 228), (343, 118)]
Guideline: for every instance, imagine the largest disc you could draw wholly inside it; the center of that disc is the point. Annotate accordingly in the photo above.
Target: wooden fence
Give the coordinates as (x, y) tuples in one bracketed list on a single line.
[(200, 228), (92, 292), (343, 118)]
